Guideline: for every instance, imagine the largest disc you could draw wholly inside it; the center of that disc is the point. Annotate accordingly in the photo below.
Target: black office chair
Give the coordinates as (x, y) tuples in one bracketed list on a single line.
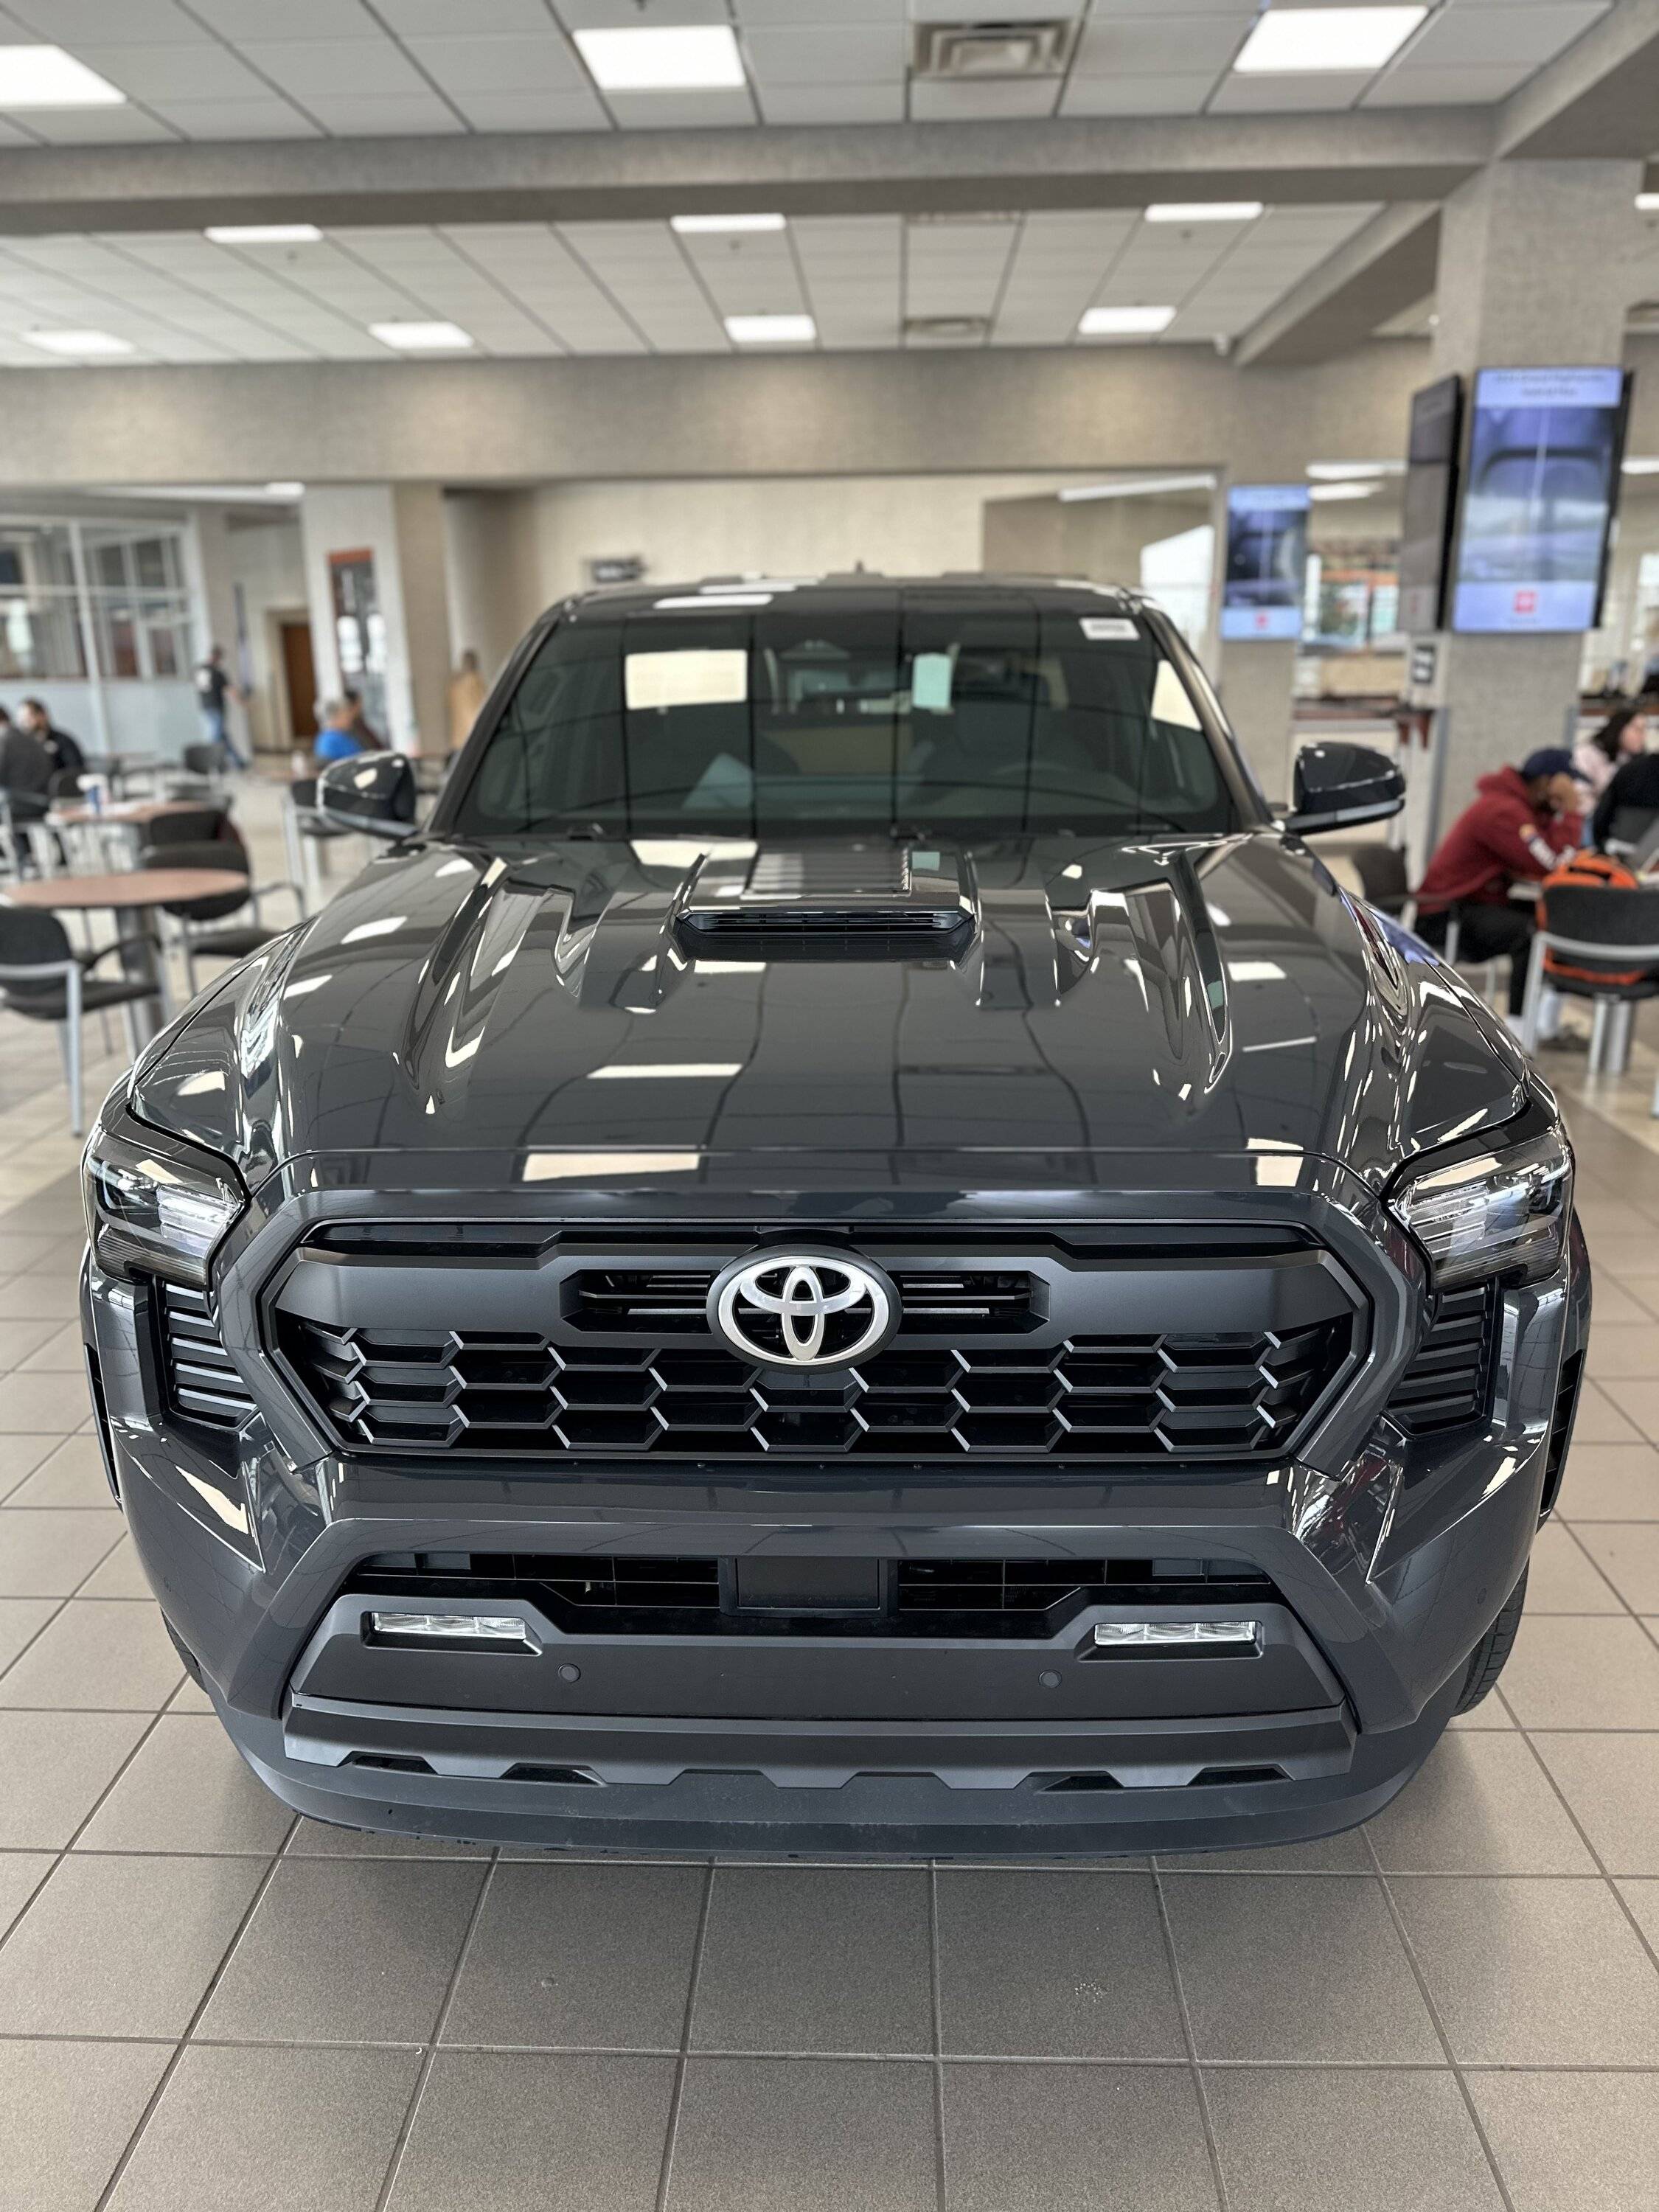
[(1381, 873), (198, 937), (200, 826), (1589, 929), (42, 978), (1628, 827)]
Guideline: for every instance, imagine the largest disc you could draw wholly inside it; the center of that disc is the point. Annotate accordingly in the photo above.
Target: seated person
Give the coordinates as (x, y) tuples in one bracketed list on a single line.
[(1634, 788), (26, 768), (63, 752), (336, 740), (1520, 823), (1598, 758)]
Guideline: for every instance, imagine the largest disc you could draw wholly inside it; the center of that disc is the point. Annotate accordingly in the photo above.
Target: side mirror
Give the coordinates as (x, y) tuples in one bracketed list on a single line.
[(372, 792), (1338, 784)]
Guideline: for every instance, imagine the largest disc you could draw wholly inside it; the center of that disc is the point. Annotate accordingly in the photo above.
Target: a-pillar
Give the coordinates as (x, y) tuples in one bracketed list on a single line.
[(1538, 263), (379, 614)]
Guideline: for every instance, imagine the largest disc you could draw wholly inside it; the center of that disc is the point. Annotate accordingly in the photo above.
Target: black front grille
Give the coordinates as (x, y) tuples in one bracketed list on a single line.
[(952, 1598), (674, 1300), (202, 1385), (1090, 1397), (1447, 1383)]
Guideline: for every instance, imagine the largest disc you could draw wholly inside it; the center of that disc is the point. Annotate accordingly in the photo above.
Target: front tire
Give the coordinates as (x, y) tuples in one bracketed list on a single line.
[(1487, 1658)]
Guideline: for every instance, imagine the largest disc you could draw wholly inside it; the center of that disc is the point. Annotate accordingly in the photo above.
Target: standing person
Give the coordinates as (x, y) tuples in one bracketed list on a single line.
[(62, 751), (369, 739), (1518, 826), (214, 691), (467, 693), (1598, 757)]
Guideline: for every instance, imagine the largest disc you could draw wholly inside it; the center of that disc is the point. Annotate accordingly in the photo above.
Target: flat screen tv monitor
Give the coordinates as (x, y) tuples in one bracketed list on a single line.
[(1266, 561), (1426, 504), (1539, 492)]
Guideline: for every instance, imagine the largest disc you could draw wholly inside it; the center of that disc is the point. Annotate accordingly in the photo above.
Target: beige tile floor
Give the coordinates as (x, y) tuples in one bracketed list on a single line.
[(205, 2003)]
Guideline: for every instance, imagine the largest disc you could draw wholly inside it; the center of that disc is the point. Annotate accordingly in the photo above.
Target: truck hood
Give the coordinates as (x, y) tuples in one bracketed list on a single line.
[(1204, 996)]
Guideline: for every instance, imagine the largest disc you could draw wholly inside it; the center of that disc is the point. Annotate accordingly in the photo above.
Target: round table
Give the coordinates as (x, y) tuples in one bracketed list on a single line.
[(138, 813), (130, 897)]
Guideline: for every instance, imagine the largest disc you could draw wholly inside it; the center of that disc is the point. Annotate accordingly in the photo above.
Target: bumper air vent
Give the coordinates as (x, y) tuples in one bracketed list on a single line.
[(953, 1599), (1447, 1384), (1566, 1408), (201, 1383), (1089, 1398)]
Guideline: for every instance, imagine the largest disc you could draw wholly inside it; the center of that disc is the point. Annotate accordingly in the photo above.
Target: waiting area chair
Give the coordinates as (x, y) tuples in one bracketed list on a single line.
[(1600, 928), (206, 929), (43, 978), (1381, 873)]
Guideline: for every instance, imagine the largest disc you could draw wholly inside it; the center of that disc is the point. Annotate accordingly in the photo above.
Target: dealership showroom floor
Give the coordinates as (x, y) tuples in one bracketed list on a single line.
[(342, 339)]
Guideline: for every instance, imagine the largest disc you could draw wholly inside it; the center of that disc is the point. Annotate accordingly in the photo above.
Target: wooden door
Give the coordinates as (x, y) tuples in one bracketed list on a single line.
[(300, 673)]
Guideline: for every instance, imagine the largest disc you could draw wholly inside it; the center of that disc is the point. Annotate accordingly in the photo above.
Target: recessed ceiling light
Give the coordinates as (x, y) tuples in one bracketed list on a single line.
[(46, 76), (264, 234), (1203, 211), (284, 490), (690, 225), (1648, 201), (421, 338), (1637, 465), (81, 345), (665, 57), (1125, 322), (771, 329), (1340, 472), (1288, 41), (1342, 490)]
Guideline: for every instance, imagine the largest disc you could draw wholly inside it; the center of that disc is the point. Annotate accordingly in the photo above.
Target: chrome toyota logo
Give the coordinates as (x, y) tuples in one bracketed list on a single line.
[(803, 1308)]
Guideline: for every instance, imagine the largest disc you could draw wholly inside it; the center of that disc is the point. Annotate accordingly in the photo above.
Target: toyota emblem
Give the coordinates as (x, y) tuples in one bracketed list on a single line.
[(803, 1308)]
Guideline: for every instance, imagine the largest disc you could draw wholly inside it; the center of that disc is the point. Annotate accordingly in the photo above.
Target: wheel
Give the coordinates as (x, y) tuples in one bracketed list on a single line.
[(193, 1665), (1487, 1660)]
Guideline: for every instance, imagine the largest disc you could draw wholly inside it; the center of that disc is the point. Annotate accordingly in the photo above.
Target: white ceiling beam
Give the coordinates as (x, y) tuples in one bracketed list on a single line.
[(1382, 269)]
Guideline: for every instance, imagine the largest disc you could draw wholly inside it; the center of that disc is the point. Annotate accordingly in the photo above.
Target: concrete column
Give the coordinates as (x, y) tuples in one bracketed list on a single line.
[(401, 528), (211, 575), (1538, 263)]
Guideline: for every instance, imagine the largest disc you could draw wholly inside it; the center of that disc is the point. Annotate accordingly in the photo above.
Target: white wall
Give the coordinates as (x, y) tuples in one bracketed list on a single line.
[(782, 526), (492, 572), (402, 525), (267, 561)]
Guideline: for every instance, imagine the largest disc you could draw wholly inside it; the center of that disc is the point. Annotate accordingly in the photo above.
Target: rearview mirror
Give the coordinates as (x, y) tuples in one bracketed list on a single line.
[(1338, 784), (372, 792)]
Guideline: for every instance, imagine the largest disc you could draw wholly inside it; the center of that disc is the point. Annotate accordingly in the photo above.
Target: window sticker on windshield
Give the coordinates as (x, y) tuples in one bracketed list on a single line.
[(1109, 630), (703, 677), (930, 684)]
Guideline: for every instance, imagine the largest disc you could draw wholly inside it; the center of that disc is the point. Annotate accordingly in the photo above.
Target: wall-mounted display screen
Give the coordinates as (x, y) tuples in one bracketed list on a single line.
[(1427, 502), (1539, 496), (1266, 561)]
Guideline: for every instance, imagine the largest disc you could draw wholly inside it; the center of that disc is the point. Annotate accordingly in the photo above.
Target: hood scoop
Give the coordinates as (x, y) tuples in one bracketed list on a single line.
[(832, 902)]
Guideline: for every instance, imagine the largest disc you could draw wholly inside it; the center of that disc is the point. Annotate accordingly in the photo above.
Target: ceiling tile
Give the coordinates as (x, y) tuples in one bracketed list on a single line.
[(1448, 87), (1142, 46), (681, 110), (1006, 11), (532, 110), (540, 63), (78, 22), (848, 53), (932, 101), (832, 103), (374, 68), (287, 18), (821, 11), (1281, 95), (417, 115), (625, 15), (96, 126), (1182, 92), (204, 119), (1534, 32), (205, 72), (412, 19)]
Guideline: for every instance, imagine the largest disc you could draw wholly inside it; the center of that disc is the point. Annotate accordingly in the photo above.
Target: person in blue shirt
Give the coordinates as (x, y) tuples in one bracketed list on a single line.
[(336, 740)]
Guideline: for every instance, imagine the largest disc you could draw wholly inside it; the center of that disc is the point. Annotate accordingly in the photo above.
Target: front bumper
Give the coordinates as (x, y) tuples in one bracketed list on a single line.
[(1388, 1561)]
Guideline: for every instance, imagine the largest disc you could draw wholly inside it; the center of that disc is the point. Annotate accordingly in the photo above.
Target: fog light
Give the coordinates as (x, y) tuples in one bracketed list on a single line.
[(494, 1630), (1126, 1635)]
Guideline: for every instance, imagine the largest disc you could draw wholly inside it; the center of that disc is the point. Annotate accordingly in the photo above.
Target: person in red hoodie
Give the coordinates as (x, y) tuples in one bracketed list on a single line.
[(1520, 823)]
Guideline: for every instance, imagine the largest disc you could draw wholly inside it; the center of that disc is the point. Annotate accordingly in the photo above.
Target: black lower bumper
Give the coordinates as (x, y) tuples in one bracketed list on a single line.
[(893, 1790)]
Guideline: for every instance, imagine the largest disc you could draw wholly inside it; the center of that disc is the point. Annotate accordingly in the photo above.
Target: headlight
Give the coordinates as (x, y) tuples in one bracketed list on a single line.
[(155, 1201), (1501, 1210)]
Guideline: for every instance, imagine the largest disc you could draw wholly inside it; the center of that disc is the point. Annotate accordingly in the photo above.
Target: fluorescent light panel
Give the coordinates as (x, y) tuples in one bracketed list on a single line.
[(663, 57), (689, 225), (264, 234), (1639, 465), (1125, 322), (1137, 487), (46, 76), (78, 345), (1203, 211), (421, 338), (1342, 490), (712, 1070), (771, 329), (1306, 41), (1344, 471), (1648, 201)]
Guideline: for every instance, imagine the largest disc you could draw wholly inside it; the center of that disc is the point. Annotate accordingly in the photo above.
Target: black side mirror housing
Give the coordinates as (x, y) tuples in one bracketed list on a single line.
[(1337, 785), (372, 792)]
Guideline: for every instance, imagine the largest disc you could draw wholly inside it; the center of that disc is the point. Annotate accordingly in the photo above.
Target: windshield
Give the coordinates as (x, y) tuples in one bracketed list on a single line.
[(932, 713)]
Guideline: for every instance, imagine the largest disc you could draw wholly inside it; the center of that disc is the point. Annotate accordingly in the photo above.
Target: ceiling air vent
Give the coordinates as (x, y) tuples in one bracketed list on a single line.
[(978, 50), (947, 330)]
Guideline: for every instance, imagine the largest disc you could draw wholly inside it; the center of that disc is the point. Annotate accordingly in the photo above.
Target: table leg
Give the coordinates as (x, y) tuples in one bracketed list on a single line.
[(141, 960)]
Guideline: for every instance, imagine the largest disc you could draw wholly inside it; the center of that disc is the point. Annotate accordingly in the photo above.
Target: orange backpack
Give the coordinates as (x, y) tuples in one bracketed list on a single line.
[(1587, 871)]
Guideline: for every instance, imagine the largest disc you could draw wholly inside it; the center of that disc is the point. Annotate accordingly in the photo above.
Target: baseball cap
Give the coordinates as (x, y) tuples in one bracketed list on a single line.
[(1552, 760)]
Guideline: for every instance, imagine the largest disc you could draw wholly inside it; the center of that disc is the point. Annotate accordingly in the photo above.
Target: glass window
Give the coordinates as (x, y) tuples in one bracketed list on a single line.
[(932, 710)]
